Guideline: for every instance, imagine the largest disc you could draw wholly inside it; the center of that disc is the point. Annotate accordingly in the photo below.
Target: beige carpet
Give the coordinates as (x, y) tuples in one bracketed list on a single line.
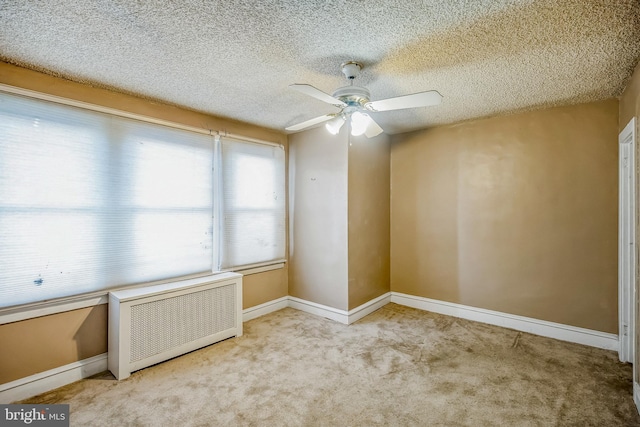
[(397, 366)]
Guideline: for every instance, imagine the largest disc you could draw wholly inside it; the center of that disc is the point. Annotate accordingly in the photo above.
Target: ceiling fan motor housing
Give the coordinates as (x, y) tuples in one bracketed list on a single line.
[(353, 96)]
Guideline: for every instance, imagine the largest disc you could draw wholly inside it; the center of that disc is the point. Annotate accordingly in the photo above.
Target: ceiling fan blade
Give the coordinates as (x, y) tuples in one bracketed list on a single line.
[(420, 99), (318, 94), (310, 122), (373, 129)]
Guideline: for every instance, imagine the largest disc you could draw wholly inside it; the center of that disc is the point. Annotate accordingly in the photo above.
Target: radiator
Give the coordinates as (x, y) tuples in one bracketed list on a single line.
[(151, 324)]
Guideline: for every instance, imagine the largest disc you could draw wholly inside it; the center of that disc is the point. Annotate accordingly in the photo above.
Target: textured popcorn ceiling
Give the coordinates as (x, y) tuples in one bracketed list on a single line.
[(236, 58)]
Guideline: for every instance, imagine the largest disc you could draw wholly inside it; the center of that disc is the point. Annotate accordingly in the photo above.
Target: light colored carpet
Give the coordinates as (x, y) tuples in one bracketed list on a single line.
[(398, 366)]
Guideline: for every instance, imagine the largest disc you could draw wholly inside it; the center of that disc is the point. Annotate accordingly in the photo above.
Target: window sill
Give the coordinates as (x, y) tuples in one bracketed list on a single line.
[(60, 305), (245, 271)]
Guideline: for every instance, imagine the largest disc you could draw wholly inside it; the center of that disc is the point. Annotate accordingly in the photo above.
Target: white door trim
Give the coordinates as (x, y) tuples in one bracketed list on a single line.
[(626, 241)]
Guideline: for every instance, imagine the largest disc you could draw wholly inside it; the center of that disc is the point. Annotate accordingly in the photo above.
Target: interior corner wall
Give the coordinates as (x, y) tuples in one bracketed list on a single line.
[(318, 257), (368, 222), (517, 214), (80, 334), (630, 108)]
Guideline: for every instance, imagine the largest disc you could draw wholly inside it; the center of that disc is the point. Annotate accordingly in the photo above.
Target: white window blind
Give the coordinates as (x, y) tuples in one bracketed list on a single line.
[(90, 201), (252, 204)]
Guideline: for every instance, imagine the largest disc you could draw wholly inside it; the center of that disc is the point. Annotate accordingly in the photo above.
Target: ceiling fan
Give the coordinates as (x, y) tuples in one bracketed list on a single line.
[(355, 105)]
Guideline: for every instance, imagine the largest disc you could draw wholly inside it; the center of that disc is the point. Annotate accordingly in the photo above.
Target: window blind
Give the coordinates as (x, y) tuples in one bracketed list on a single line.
[(90, 201), (252, 205)]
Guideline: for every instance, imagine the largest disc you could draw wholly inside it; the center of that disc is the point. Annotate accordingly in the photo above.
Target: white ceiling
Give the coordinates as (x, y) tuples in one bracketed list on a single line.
[(236, 58)]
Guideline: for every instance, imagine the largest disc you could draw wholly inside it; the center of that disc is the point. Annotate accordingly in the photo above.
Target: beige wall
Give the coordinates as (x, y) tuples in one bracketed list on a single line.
[(262, 287), (516, 214), (368, 220), (318, 203), (64, 338), (629, 108), (339, 217), (46, 342)]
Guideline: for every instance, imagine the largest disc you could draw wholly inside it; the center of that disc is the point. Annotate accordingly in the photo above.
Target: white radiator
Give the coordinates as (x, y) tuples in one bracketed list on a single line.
[(151, 324)]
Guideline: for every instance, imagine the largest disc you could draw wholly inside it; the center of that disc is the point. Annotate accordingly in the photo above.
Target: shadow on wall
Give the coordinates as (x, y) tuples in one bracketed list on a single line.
[(91, 336), (425, 216)]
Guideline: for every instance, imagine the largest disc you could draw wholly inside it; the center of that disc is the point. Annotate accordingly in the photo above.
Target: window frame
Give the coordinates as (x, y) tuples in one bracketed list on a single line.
[(220, 209), (89, 299)]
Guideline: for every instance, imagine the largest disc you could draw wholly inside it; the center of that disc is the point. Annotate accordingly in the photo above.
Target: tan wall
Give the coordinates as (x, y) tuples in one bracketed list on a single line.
[(262, 287), (318, 256), (516, 214), (339, 218), (44, 343), (368, 224), (630, 107), (36, 345)]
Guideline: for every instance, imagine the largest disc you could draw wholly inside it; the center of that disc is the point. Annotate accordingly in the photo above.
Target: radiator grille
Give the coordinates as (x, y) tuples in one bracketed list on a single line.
[(158, 326)]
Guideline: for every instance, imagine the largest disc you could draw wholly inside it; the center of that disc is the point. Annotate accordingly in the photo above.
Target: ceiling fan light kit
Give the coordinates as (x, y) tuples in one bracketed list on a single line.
[(354, 102), (334, 125), (359, 123)]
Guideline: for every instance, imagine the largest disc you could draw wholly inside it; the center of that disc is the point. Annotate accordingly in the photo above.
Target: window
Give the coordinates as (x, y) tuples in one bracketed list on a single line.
[(252, 204), (91, 201)]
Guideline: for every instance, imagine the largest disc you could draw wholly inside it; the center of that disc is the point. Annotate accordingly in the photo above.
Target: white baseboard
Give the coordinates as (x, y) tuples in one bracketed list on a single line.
[(368, 307), (44, 381), (341, 316), (520, 323), (266, 308)]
